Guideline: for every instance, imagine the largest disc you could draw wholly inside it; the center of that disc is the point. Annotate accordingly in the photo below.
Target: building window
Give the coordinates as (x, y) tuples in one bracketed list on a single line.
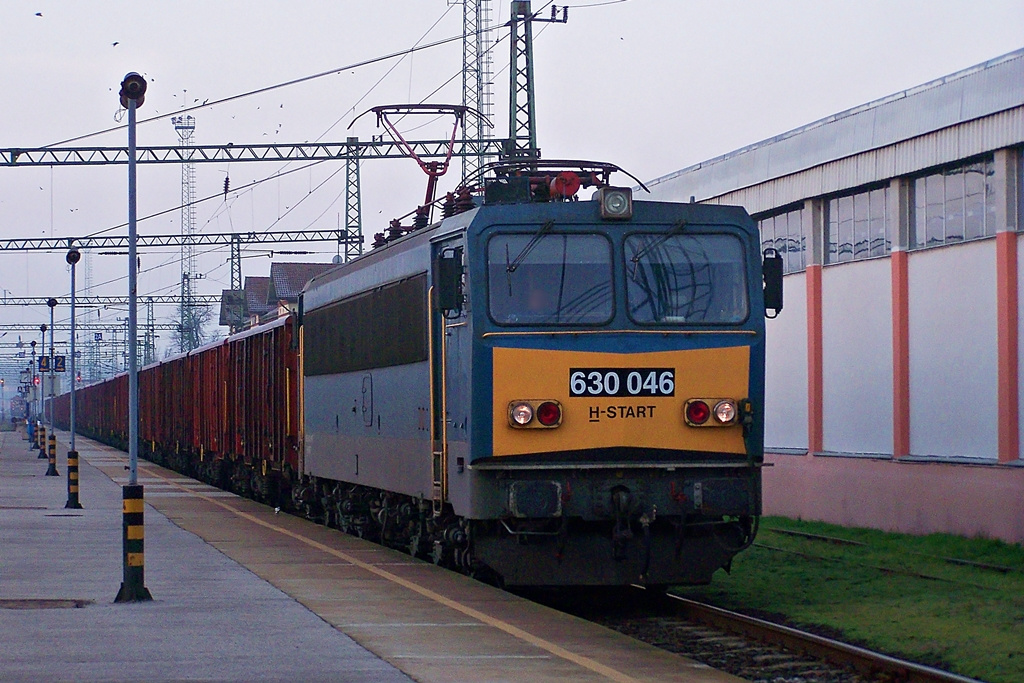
[(857, 226), (954, 205), (785, 233)]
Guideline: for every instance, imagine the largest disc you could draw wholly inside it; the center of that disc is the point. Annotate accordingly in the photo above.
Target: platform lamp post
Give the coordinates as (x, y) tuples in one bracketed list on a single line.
[(41, 408), (30, 408), (73, 257), (133, 587), (40, 395), (51, 437)]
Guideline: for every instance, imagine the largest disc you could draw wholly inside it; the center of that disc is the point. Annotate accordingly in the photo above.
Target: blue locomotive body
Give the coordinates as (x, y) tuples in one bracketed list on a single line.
[(549, 391)]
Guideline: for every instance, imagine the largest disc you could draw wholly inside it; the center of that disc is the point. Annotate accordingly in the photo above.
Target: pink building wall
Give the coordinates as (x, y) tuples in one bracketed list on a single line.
[(898, 495)]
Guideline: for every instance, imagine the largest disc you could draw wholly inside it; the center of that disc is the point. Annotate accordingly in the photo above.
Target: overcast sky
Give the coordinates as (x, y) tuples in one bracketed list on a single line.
[(652, 85)]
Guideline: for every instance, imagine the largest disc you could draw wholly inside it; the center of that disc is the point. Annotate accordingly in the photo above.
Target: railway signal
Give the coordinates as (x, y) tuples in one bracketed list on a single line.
[(73, 257), (133, 587)]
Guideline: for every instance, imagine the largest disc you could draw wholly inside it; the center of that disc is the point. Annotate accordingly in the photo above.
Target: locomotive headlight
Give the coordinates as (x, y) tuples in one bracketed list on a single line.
[(725, 411), (616, 203), (521, 414)]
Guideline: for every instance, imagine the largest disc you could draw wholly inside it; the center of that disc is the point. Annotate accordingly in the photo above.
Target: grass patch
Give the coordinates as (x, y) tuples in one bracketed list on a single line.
[(909, 596)]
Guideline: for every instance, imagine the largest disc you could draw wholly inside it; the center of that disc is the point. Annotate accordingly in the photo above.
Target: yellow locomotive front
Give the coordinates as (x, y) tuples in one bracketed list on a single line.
[(573, 400)]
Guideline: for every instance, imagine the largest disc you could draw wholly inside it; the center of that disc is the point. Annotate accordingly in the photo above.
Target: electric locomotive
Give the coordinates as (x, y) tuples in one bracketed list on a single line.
[(558, 392)]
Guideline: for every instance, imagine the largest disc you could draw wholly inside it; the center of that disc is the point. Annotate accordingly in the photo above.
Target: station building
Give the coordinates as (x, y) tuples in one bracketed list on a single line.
[(894, 392)]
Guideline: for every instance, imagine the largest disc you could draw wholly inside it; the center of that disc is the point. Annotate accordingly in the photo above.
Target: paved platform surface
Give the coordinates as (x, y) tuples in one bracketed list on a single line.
[(242, 593), (211, 619)]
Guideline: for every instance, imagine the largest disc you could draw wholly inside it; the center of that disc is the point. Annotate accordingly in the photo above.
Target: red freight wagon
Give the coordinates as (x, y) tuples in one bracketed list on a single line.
[(226, 412)]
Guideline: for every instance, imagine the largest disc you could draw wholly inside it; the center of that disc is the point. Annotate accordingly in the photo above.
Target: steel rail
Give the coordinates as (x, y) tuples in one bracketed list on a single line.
[(866, 662)]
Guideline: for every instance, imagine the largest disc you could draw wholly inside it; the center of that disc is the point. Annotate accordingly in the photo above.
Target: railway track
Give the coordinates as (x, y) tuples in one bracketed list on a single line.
[(748, 647)]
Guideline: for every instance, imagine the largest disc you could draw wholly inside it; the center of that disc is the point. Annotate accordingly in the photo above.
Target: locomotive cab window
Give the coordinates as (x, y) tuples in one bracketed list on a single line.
[(548, 278), (686, 279)]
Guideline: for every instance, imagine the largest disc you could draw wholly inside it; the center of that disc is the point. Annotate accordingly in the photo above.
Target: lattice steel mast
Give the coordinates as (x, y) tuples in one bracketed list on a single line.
[(190, 335), (522, 128), (522, 118), (476, 77), (353, 204)]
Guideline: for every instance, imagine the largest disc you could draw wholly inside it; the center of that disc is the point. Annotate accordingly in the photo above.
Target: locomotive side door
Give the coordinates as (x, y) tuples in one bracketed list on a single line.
[(448, 333)]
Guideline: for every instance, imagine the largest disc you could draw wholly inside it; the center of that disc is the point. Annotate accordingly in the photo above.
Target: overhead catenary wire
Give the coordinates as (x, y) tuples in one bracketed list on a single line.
[(249, 187), (277, 86), (279, 173)]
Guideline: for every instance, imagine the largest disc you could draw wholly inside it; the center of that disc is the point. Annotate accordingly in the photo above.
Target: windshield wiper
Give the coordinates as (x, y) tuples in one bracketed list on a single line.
[(518, 260), (676, 230)]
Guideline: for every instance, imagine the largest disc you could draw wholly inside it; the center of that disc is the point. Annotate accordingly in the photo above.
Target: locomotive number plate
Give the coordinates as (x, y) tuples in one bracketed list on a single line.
[(622, 382)]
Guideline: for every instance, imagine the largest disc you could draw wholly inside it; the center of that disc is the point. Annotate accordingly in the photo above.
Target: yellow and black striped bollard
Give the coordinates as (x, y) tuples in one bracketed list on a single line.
[(133, 585), (41, 441), (51, 454), (73, 503)]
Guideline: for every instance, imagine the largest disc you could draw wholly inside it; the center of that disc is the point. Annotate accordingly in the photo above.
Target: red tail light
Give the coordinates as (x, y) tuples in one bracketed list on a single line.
[(697, 412), (549, 414)]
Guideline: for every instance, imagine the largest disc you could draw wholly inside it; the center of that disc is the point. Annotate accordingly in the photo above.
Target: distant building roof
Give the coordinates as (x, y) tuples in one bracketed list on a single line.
[(256, 290), (288, 279)]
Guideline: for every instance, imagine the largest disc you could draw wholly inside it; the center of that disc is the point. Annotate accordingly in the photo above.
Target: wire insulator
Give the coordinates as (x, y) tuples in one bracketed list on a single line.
[(448, 208)]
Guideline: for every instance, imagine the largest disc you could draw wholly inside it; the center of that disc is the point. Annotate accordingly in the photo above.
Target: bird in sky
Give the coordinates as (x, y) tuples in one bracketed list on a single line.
[(39, 14), (115, 43)]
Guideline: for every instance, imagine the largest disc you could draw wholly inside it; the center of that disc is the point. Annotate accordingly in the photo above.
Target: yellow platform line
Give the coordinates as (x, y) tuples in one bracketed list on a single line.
[(504, 626)]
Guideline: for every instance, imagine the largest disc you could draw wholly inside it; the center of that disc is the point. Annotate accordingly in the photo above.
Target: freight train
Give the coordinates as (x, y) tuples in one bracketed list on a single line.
[(536, 389)]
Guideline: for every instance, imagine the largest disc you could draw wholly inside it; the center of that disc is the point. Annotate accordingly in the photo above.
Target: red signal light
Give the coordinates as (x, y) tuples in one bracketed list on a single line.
[(549, 413), (35, 380), (697, 412)]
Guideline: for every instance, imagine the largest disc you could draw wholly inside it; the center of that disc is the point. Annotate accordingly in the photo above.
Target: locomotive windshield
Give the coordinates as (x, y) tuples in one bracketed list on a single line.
[(679, 279), (550, 279)]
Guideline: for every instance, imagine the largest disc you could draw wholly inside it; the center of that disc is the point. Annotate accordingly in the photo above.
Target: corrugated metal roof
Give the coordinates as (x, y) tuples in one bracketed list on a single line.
[(980, 91), (969, 139)]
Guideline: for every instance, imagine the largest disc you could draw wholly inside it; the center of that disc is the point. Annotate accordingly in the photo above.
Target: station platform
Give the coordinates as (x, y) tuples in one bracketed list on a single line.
[(242, 593)]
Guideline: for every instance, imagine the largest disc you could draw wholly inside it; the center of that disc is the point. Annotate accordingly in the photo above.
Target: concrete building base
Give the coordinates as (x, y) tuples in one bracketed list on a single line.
[(907, 496)]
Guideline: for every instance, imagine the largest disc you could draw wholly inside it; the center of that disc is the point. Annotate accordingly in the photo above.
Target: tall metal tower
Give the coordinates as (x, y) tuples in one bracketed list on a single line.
[(190, 332), (92, 367), (522, 115), (522, 127), (476, 76), (353, 235), (149, 344)]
